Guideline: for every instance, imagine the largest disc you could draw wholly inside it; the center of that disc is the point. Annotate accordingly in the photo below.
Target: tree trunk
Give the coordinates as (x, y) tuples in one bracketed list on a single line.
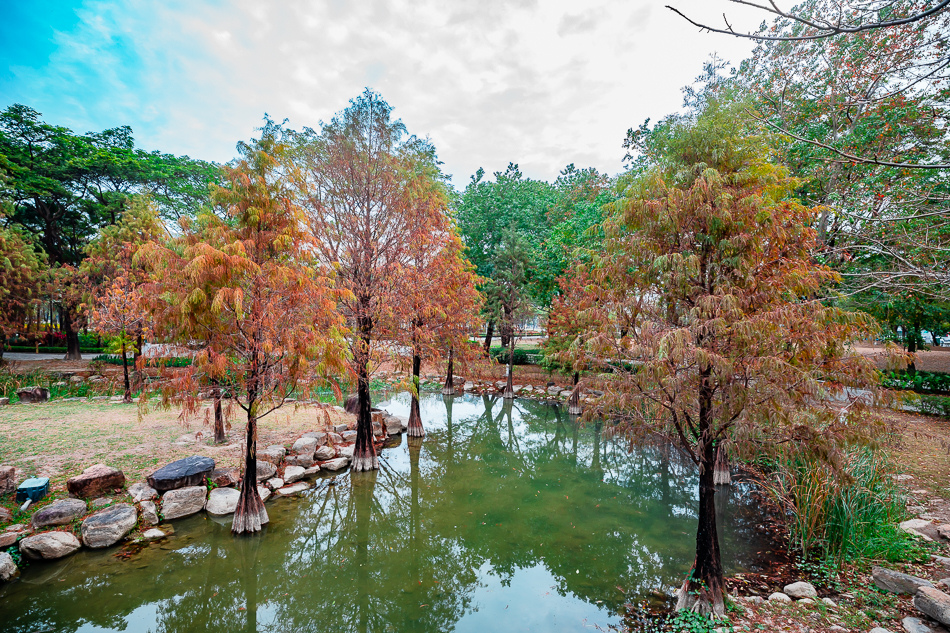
[(703, 590), (509, 390), (72, 337), (415, 418), (125, 373), (913, 336), (219, 436), (489, 332), (574, 402), (448, 389), (250, 514), (364, 456)]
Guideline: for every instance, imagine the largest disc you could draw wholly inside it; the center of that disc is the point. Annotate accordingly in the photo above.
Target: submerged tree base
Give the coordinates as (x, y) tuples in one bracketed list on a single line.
[(695, 596), (250, 514), (364, 463)]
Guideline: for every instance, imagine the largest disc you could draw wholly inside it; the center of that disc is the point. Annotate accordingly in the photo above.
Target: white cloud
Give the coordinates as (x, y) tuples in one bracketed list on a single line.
[(537, 83)]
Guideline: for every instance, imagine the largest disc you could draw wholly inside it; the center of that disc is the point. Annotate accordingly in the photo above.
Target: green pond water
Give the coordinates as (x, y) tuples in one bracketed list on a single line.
[(507, 516)]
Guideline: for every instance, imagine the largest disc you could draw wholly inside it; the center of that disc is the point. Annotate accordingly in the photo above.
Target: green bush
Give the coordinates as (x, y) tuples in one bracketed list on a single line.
[(935, 405), (116, 359), (845, 514), (919, 381), (29, 349), (522, 356)]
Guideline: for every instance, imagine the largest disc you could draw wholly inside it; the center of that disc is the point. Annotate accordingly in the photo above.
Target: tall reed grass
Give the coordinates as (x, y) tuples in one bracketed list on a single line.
[(842, 513)]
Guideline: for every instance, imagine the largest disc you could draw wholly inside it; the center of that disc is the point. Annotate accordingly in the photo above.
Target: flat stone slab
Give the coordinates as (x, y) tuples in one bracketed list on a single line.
[(264, 492), (928, 600), (183, 502), (108, 527), (49, 545), (293, 474), (60, 512), (293, 489), (222, 501), (335, 464), (153, 534), (897, 582), (184, 473)]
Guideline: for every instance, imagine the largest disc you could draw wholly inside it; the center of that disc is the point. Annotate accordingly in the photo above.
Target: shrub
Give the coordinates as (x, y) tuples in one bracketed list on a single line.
[(919, 381), (935, 405), (522, 356), (116, 359), (842, 514)]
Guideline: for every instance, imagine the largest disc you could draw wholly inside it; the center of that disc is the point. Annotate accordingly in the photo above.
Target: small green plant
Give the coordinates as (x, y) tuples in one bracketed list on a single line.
[(935, 405), (692, 622)]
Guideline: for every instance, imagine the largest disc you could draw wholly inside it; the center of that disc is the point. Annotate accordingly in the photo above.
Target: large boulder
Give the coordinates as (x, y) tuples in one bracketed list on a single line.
[(142, 492), (8, 569), (305, 461), (7, 480), (29, 395), (222, 501), (896, 582), (265, 470), (304, 446), (324, 453), (320, 436), (49, 545), (184, 473), (183, 502), (928, 600), (799, 590), (108, 527), (294, 473), (273, 454), (346, 451), (59, 513), (95, 481), (225, 477)]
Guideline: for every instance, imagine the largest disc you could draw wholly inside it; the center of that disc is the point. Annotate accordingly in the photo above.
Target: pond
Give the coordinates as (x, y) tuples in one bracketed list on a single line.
[(507, 516)]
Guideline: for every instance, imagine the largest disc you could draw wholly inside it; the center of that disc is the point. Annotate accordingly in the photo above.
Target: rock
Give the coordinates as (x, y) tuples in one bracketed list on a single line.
[(565, 394), (183, 502), (929, 601), (5, 515), (7, 480), (153, 534), (396, 424), (149, 513), (902, 477), (8, 538), (275, 482), (469, 386), (294, 489), (830, 603), (29, 395), (754, 600), (95, 481), (142, 492), (913, 526), (942, 561), (324, 453), (8, 569), (302, 461), (225, 477), (184, 473), (554, 390), (944, 531), (317, 435), (49, 545), (896, 582), (779, 597), (335, 464), (916, 625), (222, 501), (800, 590), (878, 629), (272, 454), (265, 470), (806, 601), (107, 527), (4, 402), (101, 502), (334, 438), (346, 451), (304, 445), (264, 492), (59, 513), (293, 473), (350, 436), (339, 428), (310, 472)]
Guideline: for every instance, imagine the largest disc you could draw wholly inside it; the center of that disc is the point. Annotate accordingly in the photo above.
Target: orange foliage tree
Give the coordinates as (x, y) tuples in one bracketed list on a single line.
[(358, 179), (728, 333), (275, 326)]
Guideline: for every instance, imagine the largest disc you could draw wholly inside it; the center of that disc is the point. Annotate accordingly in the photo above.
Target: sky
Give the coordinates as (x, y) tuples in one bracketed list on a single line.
[(541, 83)]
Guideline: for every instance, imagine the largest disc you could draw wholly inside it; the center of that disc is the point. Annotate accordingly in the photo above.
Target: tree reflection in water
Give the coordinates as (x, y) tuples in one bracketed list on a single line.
[(497, 505)]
